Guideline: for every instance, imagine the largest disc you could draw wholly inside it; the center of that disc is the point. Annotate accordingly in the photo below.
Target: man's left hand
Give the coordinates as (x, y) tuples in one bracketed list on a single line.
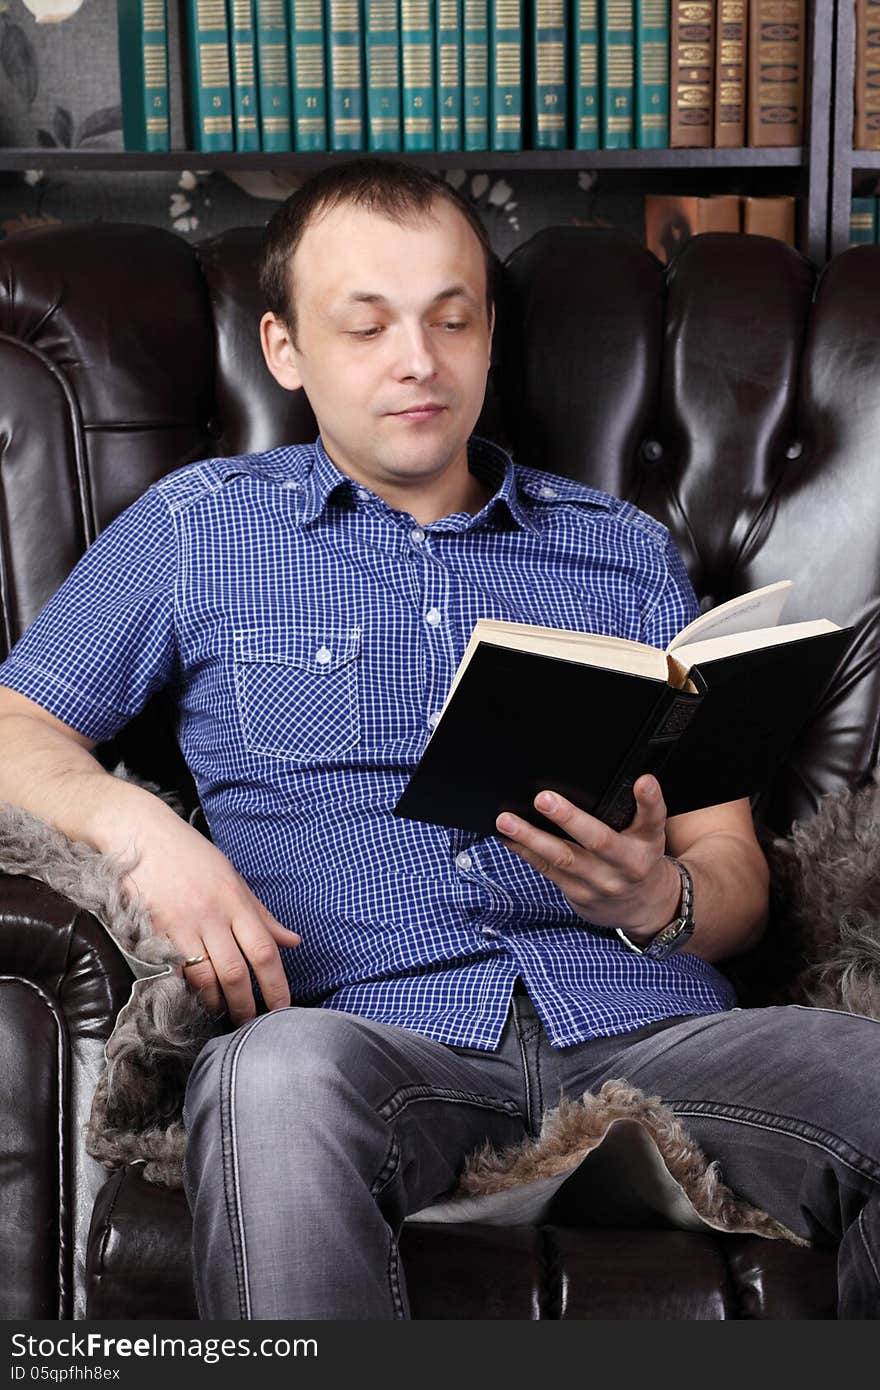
[(611, 878)]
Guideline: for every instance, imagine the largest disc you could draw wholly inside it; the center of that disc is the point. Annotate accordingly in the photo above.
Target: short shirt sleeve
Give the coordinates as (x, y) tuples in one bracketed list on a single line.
[(106, 639), (676, 604)]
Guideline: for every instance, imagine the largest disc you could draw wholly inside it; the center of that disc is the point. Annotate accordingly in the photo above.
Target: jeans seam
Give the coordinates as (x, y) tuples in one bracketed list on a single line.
[(795, 1129), (408, 1095), (866, 1245), (231, 1190), (527, 1080), (388, 1169)]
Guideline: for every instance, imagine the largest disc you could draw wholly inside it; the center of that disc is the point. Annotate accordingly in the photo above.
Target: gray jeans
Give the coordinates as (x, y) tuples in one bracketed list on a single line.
[(313, 1133)]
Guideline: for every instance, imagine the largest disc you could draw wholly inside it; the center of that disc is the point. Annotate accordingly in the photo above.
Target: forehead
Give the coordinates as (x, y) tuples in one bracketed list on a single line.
[(349, 253)]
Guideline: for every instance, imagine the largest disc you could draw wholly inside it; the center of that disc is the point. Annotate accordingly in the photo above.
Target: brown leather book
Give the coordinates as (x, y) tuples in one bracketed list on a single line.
[(770, 217), (671, 219), (776, 72), (731, 46), (692, 73), (866, 134)]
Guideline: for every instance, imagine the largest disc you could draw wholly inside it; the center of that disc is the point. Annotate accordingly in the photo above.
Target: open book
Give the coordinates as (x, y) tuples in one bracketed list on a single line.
[(583, 714)]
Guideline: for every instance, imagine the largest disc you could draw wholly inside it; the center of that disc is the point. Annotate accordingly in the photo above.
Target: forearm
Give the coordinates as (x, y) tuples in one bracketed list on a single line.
[(731, 881), (56, 778)]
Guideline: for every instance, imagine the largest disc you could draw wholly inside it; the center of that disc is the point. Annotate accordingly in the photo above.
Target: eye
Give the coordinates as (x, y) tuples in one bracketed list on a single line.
[(454, 324), (364, 332)]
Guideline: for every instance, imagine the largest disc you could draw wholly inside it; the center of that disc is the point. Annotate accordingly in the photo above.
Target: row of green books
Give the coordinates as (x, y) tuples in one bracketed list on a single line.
[(864, 221), (392, 75)]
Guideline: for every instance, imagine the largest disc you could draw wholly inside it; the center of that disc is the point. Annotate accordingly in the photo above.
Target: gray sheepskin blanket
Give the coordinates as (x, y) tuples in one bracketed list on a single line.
[(823, 949)]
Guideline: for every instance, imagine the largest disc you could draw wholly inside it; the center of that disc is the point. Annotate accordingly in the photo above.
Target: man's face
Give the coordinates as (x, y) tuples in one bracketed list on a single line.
[(389, 318)]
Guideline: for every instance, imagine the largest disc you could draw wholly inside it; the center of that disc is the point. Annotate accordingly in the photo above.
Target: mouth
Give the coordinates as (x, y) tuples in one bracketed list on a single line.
[(419, 412)]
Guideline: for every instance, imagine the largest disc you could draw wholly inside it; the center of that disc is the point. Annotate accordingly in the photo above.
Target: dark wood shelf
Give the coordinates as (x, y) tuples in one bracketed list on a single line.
[(619, 160)]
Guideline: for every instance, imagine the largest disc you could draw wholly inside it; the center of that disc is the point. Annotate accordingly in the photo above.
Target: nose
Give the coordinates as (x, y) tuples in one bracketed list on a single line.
[(415, 360)]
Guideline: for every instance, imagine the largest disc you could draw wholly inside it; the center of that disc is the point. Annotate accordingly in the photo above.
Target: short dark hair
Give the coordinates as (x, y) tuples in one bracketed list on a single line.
[(398, 191)]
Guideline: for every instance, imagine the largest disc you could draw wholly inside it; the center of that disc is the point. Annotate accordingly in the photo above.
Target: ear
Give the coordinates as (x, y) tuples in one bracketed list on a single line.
[(279, 352)]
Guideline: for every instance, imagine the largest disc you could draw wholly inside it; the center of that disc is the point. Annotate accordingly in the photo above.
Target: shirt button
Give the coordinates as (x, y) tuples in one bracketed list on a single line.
[(363, 494), (548, 491), (488, 931), (433, 616), (432, 719), (417, 535), (292, 485), (322, 656), (463, 861)]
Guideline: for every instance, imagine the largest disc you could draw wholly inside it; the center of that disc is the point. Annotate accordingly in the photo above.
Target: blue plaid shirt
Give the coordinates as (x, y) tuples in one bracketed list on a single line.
[(310, 632)]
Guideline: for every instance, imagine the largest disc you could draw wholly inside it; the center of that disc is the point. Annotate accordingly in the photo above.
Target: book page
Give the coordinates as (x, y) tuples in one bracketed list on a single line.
[(729, 645), (589, 648), (759, 609)]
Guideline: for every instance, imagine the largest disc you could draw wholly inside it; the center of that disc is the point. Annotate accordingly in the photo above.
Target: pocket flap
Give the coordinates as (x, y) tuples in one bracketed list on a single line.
[(318, 650)]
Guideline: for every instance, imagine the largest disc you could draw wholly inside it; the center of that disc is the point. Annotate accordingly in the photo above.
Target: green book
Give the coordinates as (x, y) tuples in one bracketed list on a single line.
[(308, 74), (448, 74), (617, 75), (475, 56), (549, 67), (143, 74), (652, 74), (863, 221), (585, 73), (245, 106), (417, 20), (210, 78), (382, 59), (343, 32), (273, 73), (506, 74)]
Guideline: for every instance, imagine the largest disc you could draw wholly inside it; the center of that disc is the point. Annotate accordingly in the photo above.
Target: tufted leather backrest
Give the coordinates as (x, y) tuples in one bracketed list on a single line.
[(731, 396)]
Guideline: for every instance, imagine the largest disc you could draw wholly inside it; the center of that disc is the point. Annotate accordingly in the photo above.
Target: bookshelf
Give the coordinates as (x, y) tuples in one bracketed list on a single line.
[(808, 172), (849, 166)]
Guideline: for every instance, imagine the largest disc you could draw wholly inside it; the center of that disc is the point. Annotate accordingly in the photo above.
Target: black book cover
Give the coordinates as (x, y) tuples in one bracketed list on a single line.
[(519, 722)]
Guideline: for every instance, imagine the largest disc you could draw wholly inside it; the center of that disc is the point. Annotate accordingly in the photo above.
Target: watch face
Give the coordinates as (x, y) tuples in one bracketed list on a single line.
[(672, 938)]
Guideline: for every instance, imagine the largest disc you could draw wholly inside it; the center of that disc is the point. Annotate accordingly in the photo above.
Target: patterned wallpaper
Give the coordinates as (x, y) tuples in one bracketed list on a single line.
[(59, 87)]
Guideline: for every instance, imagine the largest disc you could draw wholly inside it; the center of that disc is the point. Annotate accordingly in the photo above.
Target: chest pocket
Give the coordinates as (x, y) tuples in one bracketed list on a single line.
[(298, 691)]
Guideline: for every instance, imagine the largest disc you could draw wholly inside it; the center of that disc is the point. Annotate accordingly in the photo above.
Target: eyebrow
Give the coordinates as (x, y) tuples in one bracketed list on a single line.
[(369, 297)]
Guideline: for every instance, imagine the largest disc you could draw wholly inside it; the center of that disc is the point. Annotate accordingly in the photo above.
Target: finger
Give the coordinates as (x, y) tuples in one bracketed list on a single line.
[(202, 980), (579, 889), (650, 817), (232, 974), (590, 837), (261, 950), (283, 935)]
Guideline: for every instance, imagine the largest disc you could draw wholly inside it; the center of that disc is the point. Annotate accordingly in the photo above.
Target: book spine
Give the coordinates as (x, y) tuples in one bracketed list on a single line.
[(143, 74), (648, 754), (417, 22), (776, 73), (866, 132), (730, 74), (770, 216), (448, 81), (652, 74), (273, 72), (618, 95), (692, 65), (506, 73), (210, 84), (308, 74), (245, 104), (345, 74), (382, 61), (585, 73), (863, 221), (549, 67), (476, 74)]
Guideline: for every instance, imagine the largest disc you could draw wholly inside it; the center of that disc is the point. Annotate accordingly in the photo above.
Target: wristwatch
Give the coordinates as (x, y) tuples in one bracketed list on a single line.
[(677, 933)]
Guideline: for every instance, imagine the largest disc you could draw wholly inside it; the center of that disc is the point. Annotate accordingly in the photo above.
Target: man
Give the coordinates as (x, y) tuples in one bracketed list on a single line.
[(425, 990)]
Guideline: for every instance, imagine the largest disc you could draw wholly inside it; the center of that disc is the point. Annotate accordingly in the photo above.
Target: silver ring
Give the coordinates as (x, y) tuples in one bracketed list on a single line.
[(193, 960)]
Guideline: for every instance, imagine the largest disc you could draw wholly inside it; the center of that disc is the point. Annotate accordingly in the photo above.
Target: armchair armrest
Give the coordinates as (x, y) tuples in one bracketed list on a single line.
[(62, 982)]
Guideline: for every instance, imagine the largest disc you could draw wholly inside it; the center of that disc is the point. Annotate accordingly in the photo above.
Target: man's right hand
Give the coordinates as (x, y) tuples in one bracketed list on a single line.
[(203, 905)]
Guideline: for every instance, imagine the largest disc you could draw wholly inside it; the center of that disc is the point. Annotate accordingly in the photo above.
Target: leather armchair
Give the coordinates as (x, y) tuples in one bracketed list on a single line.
[(733, 396)]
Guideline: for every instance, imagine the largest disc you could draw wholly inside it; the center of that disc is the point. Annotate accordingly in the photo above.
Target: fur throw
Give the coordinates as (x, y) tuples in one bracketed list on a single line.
[(825, 940)]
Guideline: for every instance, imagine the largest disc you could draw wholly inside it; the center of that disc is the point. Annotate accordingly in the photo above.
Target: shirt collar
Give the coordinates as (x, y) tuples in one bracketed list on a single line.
[(491, 464)]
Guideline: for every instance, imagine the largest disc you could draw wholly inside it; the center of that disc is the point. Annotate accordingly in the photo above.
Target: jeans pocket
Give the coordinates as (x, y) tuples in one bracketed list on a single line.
[(298, 691)]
